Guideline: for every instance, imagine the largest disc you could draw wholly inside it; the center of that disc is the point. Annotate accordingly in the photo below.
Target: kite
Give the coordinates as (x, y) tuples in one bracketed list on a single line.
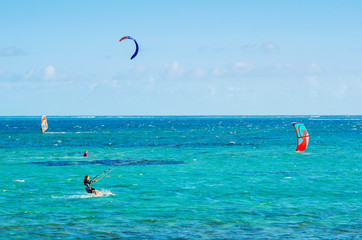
[(302, 136), (128, 37)]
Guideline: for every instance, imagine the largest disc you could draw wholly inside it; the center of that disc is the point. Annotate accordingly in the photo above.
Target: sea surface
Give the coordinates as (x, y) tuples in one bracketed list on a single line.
[(180, 177)]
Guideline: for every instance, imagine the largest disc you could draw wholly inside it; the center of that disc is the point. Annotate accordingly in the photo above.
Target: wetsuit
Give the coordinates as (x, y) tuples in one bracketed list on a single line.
[(88, 188)]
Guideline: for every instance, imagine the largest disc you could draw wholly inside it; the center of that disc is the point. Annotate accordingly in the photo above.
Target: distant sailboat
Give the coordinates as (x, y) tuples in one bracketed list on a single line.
[(44, 123)]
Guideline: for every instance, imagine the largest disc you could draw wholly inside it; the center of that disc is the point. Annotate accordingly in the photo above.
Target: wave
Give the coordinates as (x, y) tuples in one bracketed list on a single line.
[(334, 119), (55, 132)]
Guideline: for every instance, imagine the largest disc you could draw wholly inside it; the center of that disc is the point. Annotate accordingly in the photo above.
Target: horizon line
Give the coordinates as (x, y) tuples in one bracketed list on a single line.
[(181, 115)]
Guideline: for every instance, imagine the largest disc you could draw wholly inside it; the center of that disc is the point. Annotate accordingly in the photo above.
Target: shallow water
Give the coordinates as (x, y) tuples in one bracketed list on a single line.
[(181, 177)]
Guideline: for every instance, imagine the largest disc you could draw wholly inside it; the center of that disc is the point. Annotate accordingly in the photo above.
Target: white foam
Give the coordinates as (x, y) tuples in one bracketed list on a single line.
[(104, 193), (337, 119), (18, 180)]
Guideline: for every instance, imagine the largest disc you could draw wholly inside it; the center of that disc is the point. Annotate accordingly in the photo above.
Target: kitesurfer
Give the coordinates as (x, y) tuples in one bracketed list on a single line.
[(85, 153), (89, 188)]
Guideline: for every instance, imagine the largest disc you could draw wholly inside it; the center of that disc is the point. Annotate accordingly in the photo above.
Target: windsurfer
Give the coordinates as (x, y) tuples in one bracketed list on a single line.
[(44, 124)]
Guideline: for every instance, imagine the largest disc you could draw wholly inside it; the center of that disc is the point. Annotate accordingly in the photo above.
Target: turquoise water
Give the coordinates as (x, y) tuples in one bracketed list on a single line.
[(181, 178)]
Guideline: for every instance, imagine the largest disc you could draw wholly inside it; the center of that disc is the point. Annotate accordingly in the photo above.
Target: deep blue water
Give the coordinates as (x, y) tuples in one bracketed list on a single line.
[(181, 178)]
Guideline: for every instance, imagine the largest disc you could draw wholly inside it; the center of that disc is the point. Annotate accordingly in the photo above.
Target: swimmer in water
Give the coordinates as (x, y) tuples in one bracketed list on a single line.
[(85, 153), (89, 188)]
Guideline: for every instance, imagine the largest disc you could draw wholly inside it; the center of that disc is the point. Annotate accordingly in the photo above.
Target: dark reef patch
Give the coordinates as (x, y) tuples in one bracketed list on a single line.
[(110, 162)]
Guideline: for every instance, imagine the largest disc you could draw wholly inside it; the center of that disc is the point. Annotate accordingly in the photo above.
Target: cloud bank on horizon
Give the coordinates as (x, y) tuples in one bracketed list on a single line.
[(229, 59)]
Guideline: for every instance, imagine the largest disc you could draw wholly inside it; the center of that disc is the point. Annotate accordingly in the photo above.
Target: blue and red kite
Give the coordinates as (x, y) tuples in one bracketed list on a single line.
[(302, 136), (131, 38)]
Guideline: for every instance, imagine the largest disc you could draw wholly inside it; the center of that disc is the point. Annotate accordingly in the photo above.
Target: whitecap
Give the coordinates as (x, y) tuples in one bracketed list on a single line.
[(104, 193)]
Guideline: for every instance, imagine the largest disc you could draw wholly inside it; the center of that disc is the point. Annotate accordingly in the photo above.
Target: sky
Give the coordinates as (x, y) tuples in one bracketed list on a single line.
[(196, 57)]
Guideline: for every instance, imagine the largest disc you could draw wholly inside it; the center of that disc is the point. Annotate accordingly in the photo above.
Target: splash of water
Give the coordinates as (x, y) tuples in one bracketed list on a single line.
[(104, 193)]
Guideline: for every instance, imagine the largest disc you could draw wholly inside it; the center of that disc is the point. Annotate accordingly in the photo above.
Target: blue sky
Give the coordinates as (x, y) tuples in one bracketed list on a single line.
[(195, 58)]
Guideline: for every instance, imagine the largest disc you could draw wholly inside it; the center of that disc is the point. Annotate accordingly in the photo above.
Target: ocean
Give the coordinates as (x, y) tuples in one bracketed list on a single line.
[(178, 177)]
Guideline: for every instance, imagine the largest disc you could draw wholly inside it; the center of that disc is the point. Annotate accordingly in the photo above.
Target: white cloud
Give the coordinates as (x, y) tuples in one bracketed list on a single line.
[(270, 47), (250, 48), (232, 88), (218, 71), (151, 80), (341, 89), (115, 83), (314, 86), (356, 85), (291, 68), (199, 73), (242, 65), (49, 72), (29, 74), (212, 91), (313, 82), (315, 67), (140, 69), (174, 70), (11, 51), (92, 86)]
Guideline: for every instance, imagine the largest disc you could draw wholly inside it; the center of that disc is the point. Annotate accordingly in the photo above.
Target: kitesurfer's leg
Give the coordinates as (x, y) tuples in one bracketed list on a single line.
[(96, 192)]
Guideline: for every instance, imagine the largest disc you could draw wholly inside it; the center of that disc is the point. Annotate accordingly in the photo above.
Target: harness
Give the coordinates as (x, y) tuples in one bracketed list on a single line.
[(88, 185)]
